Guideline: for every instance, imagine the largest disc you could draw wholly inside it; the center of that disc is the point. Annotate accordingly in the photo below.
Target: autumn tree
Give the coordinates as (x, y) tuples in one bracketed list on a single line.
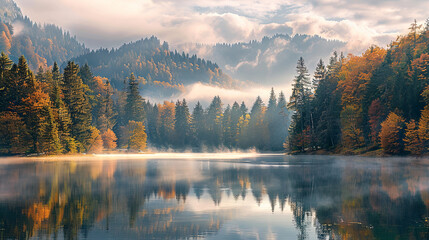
[(109, 139), (138, 137), (412, 141), (391, 134), (95, 142)]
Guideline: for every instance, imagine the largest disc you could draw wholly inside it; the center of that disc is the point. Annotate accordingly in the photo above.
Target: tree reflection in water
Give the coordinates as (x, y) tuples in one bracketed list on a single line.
[(303, 197)]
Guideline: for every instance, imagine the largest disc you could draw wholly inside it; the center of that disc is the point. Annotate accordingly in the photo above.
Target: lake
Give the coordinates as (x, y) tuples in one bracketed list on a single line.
[(215, 196)]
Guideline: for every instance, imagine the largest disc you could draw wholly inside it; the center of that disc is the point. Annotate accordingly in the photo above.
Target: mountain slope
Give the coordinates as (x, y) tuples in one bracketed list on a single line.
[(153, 65), (9, 11), (269, 61), (41, 45)]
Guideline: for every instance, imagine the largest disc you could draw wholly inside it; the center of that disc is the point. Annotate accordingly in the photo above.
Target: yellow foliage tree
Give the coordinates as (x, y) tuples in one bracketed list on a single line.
[(412, 140), (391, 134), (138, 137), (96, 142), (109, 139)]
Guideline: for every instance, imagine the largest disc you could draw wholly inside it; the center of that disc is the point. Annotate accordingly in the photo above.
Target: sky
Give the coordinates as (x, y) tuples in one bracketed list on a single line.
[(110, 23)]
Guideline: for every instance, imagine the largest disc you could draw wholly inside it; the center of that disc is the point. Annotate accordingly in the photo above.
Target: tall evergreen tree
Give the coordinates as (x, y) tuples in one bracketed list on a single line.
[(78, 106), (198, 125), (300, 104), (134, 108), (182, 124), (319, 75), (214, 122), (272, 118)]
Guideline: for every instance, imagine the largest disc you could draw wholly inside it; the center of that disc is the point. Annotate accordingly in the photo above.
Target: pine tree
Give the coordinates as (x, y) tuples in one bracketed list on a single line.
[(153, 124), (134, 108), (243, 109), (5, 81), (227, 128), (259, 133), (86, 75), (78, 106), (272, 120), (319, 75), (198, 125), (236, 113), (214, 122), (182, 124), (300, 104), (61, 113)]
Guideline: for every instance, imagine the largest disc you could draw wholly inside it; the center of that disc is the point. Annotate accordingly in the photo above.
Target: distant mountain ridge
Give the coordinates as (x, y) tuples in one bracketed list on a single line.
[(155, 66), (41, 45), (269, 61)]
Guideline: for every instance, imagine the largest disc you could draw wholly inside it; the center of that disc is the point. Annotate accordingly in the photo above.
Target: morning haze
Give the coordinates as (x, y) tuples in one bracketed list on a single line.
[(143, 119)]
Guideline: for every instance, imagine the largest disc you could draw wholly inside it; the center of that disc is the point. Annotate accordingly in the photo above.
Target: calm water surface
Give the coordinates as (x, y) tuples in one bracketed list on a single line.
[(215, 197)]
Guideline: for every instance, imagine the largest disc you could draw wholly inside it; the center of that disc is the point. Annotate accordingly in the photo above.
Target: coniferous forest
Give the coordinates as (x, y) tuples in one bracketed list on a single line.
[(74, 112), (374, 103)]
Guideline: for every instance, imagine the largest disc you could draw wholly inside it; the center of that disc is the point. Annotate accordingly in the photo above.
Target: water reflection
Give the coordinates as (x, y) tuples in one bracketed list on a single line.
[(266, 197)]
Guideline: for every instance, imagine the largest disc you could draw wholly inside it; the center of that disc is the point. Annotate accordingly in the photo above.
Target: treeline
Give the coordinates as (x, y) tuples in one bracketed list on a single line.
[(56, 113), (173, 125), (72, 112), (356, 104)]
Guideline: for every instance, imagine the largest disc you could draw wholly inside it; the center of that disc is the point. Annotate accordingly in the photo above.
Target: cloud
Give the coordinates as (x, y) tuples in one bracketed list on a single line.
[(109, 23), (244, 63), (205, 93)]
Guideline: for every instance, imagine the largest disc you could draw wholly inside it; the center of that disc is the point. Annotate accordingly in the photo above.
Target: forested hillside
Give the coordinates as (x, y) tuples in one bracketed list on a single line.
[(356, 104), (41, 45), (268, 61), (155, 65)]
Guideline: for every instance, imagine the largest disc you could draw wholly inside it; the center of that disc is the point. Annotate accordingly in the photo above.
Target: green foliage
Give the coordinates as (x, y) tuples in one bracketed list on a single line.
[(134, 109), (154, 65), (78, 106)]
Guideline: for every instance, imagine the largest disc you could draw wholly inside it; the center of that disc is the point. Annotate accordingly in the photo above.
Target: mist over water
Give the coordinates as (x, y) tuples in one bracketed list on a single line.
[(214, 196)]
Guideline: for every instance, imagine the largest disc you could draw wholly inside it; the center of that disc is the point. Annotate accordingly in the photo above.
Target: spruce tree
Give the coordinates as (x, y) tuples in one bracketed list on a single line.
[(227, 127), (78, 106), (272, 120), (319, 75), (214, 122), (235, 118), (134, 107), (182, 123), (198, 125)]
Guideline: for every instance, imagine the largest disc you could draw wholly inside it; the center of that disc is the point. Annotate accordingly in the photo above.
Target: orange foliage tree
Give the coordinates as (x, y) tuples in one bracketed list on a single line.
[(109, 139), (95, 141), (355, 75), (391, 134)]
